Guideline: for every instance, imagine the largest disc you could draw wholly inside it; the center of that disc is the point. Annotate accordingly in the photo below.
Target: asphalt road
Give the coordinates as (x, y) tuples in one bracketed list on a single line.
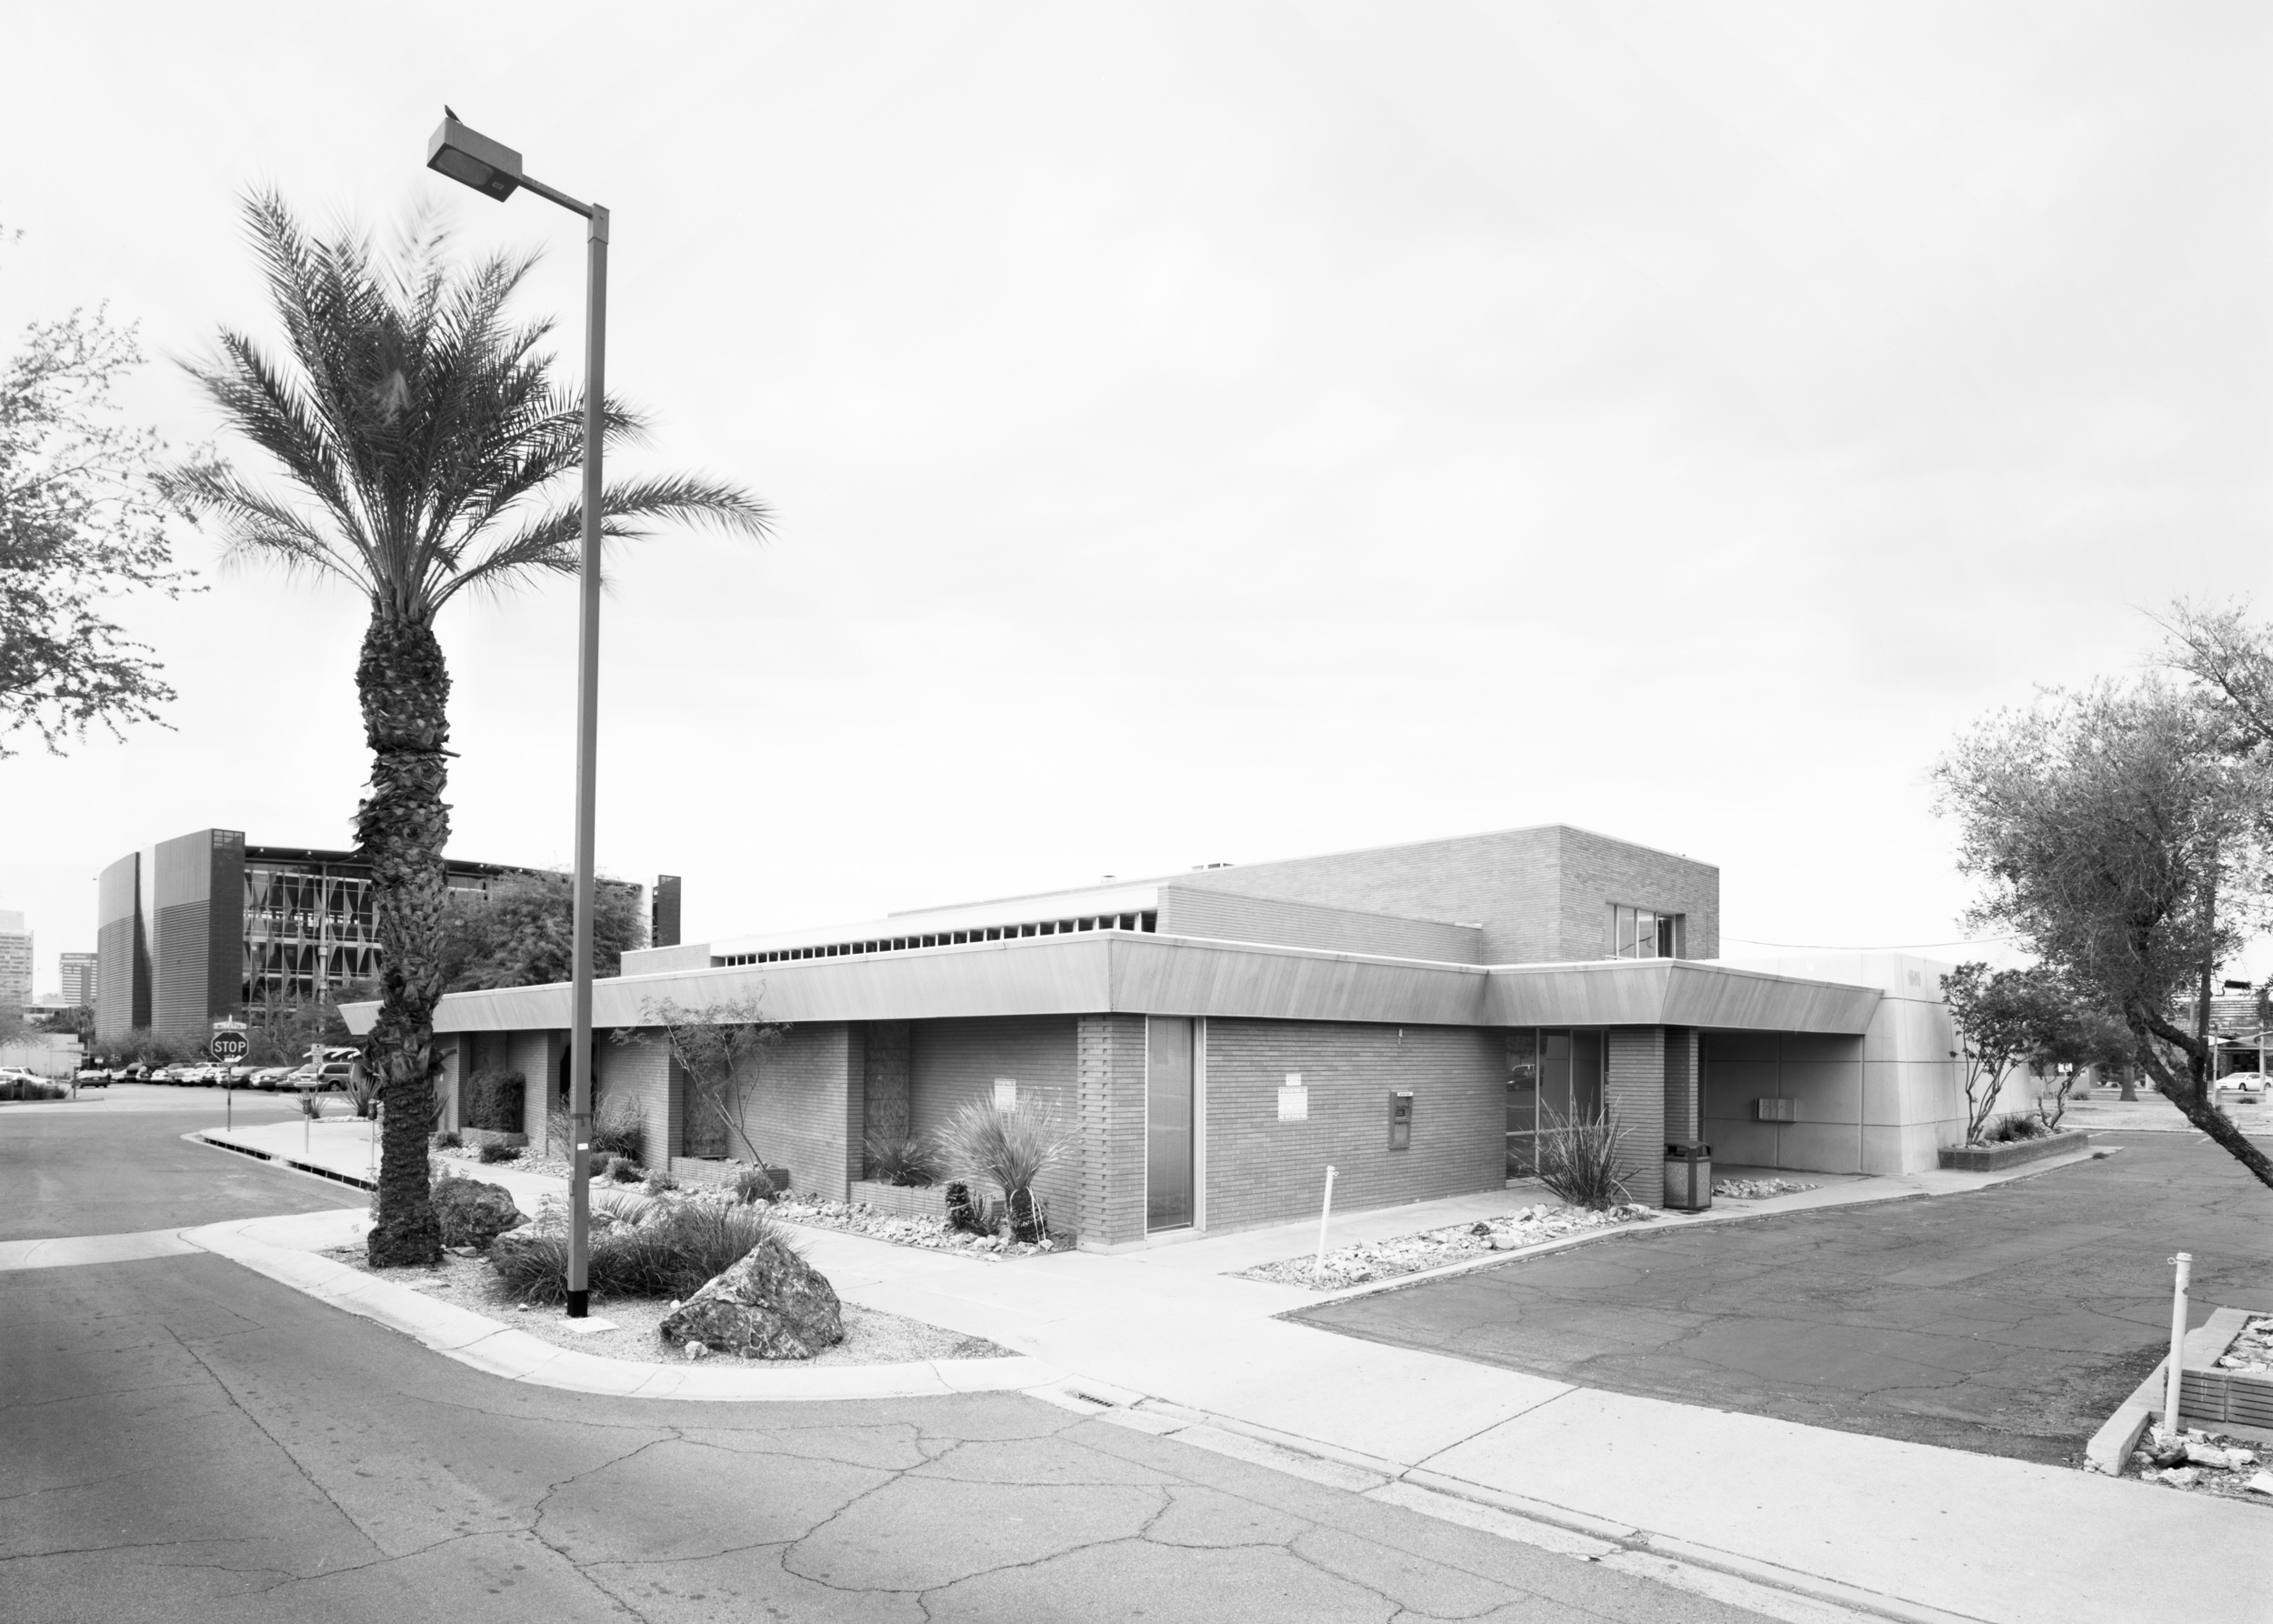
[(184, 1440), (114, 1162), (2010, 1321)]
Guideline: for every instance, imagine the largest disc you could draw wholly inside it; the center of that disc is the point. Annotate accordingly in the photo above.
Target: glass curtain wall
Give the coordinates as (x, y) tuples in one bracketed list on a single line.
[(1554, 1079)]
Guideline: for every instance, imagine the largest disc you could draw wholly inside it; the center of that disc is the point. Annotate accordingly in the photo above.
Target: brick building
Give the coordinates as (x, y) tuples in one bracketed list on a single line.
[(1414, 1015)]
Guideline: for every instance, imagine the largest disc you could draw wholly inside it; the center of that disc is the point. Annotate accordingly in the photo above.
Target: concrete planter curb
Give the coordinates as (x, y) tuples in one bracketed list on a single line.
[(901, 1200), (479, 1137), (484, 1344), (1995, 1159), (2207, 1397)]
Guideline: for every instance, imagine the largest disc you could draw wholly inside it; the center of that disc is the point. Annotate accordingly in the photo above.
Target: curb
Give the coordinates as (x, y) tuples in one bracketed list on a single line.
[(1725, 1576), (497, 1350), (203, 1138)]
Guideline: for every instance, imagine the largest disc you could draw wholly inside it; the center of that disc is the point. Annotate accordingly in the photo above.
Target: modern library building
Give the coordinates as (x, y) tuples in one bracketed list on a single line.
[(1414, 1016)]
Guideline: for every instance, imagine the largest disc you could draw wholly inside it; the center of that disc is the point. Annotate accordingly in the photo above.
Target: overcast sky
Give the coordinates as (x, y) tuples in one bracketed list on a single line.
[(1226, 432)]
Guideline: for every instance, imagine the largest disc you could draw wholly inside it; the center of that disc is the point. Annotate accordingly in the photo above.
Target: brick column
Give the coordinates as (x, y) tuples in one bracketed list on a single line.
[(1684, 1118), (856, 1155), (1109, 1069), (1635, 1090)]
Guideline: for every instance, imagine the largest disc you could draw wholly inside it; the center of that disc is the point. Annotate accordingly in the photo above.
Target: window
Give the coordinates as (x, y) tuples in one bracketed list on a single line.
[(1643, 933)]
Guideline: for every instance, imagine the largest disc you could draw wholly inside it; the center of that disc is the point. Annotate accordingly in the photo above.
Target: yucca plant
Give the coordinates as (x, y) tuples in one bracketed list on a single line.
[(1009, 1149), (1578, 1157), (897, 1159), (425, 451)]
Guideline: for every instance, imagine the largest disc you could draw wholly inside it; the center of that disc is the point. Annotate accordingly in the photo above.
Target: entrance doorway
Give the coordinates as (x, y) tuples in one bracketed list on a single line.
[(1553, 1076), (1168, 1122)]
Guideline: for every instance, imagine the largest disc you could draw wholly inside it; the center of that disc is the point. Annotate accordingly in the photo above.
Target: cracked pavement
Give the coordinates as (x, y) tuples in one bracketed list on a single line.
[(2010, 1321), (182, 1440)]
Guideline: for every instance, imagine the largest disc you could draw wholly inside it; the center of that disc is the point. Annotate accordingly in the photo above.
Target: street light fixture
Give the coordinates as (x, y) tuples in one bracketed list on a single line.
[(494, 169)]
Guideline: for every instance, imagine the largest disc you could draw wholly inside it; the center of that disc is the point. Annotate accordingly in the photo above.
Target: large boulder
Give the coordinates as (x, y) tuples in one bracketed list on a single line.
[(473, 1214), (773, 1304)]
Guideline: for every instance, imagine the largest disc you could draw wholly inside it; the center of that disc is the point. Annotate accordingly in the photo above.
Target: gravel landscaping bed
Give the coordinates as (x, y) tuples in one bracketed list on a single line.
[(931, 1234), (871, 1338), (2214, 1463), (1373, 1260), (1757, 1190)]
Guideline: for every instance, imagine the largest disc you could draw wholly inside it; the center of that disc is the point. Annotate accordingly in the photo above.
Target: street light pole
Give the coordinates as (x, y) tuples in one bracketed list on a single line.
[(473, 159)]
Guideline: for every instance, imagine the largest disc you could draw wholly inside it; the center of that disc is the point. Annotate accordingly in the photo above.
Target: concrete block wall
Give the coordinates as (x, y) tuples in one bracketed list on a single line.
[(1226, 916), (1821, 1074), (1109, 1069), (1633, 1088), (1912, 1088), (952, 1062), (1261, 1170)]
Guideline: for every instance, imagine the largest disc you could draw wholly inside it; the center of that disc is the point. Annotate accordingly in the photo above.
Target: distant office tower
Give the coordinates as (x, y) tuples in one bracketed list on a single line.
[(16, 962), (78, 979), (203, 926), (663, 930)]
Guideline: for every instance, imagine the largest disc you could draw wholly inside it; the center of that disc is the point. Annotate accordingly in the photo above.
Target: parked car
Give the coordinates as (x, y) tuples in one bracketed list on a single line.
[(331, 1074), (270, 1077), (94, 1077)]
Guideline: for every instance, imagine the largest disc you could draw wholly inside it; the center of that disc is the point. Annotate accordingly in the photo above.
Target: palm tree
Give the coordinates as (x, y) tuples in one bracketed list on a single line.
[(423, 444)]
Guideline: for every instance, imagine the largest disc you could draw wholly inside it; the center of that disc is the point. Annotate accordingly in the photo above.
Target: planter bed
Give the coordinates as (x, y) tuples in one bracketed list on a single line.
[(1993, 1158), (930, 1234), (479, 1137), (1371, 1260)]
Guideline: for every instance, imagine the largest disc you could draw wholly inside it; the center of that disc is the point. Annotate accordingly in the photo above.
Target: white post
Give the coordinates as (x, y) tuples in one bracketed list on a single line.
[(1323, 1213), (2185, 1261)]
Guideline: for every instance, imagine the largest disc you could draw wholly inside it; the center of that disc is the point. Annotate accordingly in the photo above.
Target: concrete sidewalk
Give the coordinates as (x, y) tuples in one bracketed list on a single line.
[(1904, 1529)]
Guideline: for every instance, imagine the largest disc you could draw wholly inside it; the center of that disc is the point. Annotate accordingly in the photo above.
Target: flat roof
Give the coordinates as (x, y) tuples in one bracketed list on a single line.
[(1132, 972)]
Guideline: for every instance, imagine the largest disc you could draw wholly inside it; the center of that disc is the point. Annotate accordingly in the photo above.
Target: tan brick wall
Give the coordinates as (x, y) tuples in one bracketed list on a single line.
[(954, 1061), (802, 1106), (1109, 1060), (639, 1069), (1261, 1170), (1683, 1104), (1540, 894)]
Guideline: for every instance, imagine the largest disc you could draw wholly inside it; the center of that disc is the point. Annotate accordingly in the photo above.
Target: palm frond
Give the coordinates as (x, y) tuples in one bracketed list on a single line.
[(632, 511)]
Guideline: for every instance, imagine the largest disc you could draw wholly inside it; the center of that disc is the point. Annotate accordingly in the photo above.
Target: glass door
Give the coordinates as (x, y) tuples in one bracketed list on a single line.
[(1168, 1122), (1523, 1104)]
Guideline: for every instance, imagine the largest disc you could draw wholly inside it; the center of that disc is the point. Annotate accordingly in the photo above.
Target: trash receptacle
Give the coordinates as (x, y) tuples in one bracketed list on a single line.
[(1689, 1176)]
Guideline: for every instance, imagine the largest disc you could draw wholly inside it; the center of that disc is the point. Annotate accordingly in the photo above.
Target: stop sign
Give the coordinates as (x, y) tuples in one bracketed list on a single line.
[(228, 1046)]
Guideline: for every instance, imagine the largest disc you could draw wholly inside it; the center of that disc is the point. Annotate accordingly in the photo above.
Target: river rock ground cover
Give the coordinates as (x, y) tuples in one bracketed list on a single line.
[(1366, 1261)]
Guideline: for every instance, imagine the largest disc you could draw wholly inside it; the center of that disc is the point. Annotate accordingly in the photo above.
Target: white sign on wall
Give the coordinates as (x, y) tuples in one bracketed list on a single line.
[(1006, 1094), (1293, 1100)]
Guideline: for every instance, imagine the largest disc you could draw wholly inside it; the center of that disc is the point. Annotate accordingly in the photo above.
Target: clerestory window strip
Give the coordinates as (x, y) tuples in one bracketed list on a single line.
[(1149, 921)]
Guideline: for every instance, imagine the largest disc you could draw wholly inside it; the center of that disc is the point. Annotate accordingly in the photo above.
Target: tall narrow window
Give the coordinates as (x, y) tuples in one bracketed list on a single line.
[(1168, 1122)]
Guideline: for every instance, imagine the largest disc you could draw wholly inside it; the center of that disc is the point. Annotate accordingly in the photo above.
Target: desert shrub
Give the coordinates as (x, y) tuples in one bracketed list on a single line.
[(362, 1090), (1009, 1149), (753, 1184), (618, 1127), (671, 1253), (658, 1181), (623, 1207), (2012, 1128), (448, 1139), (622, 1169), (974, 1215), (311, 1106), (493, 1152), (494, 1098), (1578, 1157), (17, 1088), (898, 1159)]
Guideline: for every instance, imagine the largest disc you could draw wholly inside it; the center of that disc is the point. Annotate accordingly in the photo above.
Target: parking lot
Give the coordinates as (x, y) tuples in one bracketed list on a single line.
[(2010, 1321)]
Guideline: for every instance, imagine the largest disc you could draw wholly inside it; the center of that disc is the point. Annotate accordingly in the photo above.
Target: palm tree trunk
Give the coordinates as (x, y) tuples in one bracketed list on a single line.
[(400, 830)]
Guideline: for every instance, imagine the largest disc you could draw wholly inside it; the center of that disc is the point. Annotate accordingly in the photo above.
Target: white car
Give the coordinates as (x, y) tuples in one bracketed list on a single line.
[(331, 1074), (270, 1077)]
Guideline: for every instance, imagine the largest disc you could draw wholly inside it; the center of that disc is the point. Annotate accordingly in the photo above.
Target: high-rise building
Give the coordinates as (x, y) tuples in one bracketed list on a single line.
[(203, 926), (16, 962), (78, 979)]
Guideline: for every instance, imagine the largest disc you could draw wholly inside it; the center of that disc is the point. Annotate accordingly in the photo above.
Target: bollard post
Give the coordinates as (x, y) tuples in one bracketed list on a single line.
[(228, 1108), (2185, 1261), (1325, 1212)]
